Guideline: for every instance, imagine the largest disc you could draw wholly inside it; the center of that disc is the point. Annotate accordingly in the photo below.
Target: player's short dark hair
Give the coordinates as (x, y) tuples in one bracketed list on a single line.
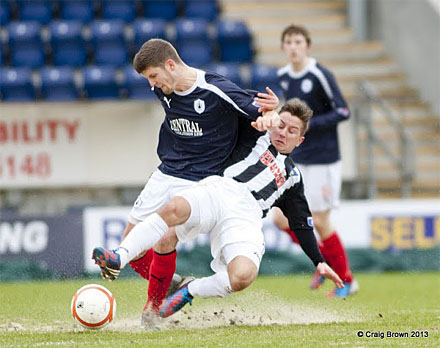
[(297, 107), (296, 29), (155, 52)]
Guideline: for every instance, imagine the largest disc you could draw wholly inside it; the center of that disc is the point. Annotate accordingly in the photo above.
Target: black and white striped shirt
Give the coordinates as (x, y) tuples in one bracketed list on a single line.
[(274, 180)]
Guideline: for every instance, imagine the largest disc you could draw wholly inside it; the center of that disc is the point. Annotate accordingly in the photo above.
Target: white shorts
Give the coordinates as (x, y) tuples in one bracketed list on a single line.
[(159, 189), (322, 185), (227, 210), (231, 251)]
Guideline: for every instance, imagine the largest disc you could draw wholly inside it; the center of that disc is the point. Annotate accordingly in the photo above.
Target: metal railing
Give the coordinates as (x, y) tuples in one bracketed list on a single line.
[(403, 160)]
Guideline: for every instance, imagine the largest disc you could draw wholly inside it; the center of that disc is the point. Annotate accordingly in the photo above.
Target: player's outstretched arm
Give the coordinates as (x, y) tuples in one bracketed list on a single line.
[(326, 271), (267, 101), (270, 119)]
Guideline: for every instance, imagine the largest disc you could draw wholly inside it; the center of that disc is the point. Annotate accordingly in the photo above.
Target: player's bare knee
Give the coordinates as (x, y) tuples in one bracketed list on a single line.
[(175, 212), (241, 280), (242, 272)]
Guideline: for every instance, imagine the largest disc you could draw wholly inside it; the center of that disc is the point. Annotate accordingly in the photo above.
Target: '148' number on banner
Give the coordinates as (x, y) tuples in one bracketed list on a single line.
[(30, 165)]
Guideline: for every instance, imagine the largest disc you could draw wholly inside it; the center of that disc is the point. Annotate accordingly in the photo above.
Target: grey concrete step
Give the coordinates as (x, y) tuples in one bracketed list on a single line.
[(323, 53), (276, 24), (269, 42), (422, 136), (244, 8), (410, 120)]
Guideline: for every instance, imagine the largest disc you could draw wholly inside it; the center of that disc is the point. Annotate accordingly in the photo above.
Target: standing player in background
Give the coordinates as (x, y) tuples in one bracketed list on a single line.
[(196, 138), (318, 157)]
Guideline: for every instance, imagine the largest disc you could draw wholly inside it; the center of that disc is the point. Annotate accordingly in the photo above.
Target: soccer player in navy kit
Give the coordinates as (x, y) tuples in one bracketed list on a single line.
[(318, 157), (197, 136), (231, 207)]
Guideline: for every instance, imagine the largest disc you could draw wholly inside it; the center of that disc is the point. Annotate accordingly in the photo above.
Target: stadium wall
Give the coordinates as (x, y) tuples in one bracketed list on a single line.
[(410, 30), (398, 235)]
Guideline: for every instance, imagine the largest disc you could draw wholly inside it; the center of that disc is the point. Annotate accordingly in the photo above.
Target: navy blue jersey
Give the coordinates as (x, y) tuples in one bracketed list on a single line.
[(317, 87), (199, 131)]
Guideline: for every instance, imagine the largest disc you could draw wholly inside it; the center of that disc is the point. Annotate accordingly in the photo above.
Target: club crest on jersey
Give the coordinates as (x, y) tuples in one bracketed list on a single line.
[(199, 105), (306, 85)]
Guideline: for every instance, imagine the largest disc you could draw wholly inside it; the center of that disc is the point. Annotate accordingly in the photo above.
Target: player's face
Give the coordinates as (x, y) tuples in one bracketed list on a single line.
[(287, 135), (296, 48), (159, 77)]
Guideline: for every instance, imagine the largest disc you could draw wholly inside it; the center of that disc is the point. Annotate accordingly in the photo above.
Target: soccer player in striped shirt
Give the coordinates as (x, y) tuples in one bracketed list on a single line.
[(318, 157), (231, 207)]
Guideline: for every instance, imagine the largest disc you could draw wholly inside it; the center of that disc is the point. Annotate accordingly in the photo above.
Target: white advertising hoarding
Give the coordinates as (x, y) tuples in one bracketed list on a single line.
[(381, 225), (77, 144)]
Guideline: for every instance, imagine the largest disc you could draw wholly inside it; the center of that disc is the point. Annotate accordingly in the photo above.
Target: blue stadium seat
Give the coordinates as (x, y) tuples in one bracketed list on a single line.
[(124, 10), (229, 70), (109, 43), (145, 29), (81, 10), (207, 9), (16, 84), (165, 9), (5, 13), (58, 84), (234, 40), (25, 44), (264, 75), (35, 10), (137, 87), (67, 42), (193, 42), (100, 82)]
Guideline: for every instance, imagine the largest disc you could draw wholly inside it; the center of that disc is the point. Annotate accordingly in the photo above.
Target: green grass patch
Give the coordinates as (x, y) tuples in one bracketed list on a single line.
[(275, 312)]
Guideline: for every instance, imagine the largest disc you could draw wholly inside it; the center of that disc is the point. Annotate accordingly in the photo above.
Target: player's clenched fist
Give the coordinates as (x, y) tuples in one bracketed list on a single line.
[(270, 119)]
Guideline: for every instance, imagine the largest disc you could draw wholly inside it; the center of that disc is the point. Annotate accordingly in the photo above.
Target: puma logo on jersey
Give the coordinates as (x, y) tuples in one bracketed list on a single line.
[(168, 101), (182, 126)]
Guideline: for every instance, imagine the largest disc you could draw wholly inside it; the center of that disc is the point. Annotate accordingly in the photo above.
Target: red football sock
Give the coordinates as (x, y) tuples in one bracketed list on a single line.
[(142, 266), (292, 235), (161, 273), (335, 255)]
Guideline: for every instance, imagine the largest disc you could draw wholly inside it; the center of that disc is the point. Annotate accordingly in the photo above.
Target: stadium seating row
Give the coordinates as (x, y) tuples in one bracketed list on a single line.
[(43, 11), (113, 42), (105, 82)]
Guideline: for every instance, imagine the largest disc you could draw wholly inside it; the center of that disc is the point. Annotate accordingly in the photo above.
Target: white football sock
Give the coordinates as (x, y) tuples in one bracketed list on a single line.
[(142, 237), (217, 285)]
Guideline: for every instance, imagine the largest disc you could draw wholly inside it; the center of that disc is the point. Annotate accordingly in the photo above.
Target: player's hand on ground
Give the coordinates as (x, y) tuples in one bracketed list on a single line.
[(270, 119), (267, 101), (326, 271)]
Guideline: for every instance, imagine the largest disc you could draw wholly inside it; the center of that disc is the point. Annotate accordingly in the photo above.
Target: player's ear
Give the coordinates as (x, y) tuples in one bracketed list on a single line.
[(170, 64), (300, 140)]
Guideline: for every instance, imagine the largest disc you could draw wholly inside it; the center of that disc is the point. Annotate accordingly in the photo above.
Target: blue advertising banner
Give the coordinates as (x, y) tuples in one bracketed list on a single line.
[(54, 243)]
